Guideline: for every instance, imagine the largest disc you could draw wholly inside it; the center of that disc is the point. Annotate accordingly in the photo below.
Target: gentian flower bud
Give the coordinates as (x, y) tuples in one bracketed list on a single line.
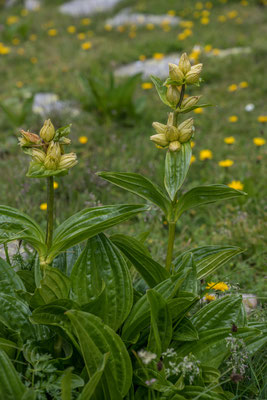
[(175, 73), (184, 64), (47, 132), (160, 139), (67, 161), (193, 75)]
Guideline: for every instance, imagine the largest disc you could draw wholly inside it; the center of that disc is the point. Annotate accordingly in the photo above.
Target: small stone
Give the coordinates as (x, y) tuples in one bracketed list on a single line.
[(47, 103), (126, 17), (250, 302), (78, 8), (32, 5)]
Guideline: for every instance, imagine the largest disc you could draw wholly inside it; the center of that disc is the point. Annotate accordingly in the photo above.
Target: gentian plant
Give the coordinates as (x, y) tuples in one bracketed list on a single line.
[(76, 325)]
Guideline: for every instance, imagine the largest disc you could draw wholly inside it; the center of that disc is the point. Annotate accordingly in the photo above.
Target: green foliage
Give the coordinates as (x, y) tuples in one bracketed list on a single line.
[(112, 100)]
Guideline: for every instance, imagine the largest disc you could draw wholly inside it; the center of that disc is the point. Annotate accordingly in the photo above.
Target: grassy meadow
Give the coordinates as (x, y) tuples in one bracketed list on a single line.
[(46, 51)]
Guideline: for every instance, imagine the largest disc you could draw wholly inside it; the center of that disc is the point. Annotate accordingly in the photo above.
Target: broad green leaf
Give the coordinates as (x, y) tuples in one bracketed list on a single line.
[(181, 305), (88, 223), (186, 331), (139, 317), (211, 347), (221, 313), (9, 280), (151, 271), (15, 225), (260, 341), (97, 339), (90, 387), (161, 89), (208, 258), (14, 314), (8, 346), (102, 263), (11, 387), (161, 323), (54, 285), (66, 260), (191, 283), (176, 167), (139, 185), (30, 394), (54, 314), (204, 195), (202, 393)]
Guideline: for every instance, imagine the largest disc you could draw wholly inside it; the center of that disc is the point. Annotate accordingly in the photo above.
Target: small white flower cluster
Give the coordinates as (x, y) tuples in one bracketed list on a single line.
[(239, 354), (188, 367), (146, 356)]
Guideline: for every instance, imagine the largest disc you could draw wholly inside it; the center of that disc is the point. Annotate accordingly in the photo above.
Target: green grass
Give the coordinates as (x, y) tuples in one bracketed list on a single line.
[(121, 147)]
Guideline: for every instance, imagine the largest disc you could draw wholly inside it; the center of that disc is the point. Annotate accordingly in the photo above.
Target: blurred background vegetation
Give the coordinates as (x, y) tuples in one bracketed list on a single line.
[(44, 51)]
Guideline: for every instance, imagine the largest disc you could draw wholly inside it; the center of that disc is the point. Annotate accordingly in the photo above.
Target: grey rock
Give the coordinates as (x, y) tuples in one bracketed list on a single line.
[(126, 17), (32, 5), (78, 8), (250, 302), (48, 103)]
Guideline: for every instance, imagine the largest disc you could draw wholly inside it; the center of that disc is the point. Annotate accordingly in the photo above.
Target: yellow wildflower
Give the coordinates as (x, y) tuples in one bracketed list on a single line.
[(208, 48), (147, 85), (142, 57), (181, 36), (24, 12), (132, 34), (258, 141), (52, 32), (205, 155), (237, 185), (193, 159), (83, 139), (86, 45), (233, 118), (225, 163), (150, 27), (19, 84), (12, 20), (209, 4), (33, 37), (81, 36), (205, 21), (243, 84), (232, 14), (20, 51), (86, 21), (71, 29), (121, 28), (158, 56), (199, 110), (55, 185), (4, 49), (187, 24), (16, 41), (43, 206), (222, 286), (210, 297), (192, 143), (262, 118), (108, 27), (199, 5), (216, 52), (221, 18), (172, 13), (232, 88), (229, 140)]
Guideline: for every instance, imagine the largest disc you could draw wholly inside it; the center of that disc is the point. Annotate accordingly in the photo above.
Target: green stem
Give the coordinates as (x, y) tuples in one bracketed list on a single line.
[(50, 211), (170, 245), (176, 113), (6, 254)]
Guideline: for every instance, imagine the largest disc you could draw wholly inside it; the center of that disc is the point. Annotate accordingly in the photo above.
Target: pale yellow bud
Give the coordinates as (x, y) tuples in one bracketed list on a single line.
[(50, 163), (173, 95), (68, 161), (190, 101), (193, 75), (186, 130), (160, 139), (159, 128), (184, 64), (175, 73), (47, 132), (38, 155), (54, 150), (172, 133), (175, 146)]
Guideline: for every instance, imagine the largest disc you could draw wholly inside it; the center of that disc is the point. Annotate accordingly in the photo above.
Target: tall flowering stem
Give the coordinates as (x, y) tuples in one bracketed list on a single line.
[(50, 211)]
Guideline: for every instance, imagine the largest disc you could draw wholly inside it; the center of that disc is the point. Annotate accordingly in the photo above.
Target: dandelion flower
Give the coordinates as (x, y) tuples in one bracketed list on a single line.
[(229, 140), (71, 29), (210, 297), (222, 286), (43, 206), (52, 32), (147, 85), (55, 185), (205, 21), (208, 48), (237, 185), (158, 56), (108, 27), (13, 19), (233, 118), (86, 45), (193, 159), (172, 13), (19, 84), (192, 143), (34, 60), (258, 141), (205, 155), (142, 57), (232, 88), (262, 118), (199, 110), (150, 27), (243, 84), (33, 37), (81, 36), (83, 139), (221, 18), (225, 163), (86, 21)]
